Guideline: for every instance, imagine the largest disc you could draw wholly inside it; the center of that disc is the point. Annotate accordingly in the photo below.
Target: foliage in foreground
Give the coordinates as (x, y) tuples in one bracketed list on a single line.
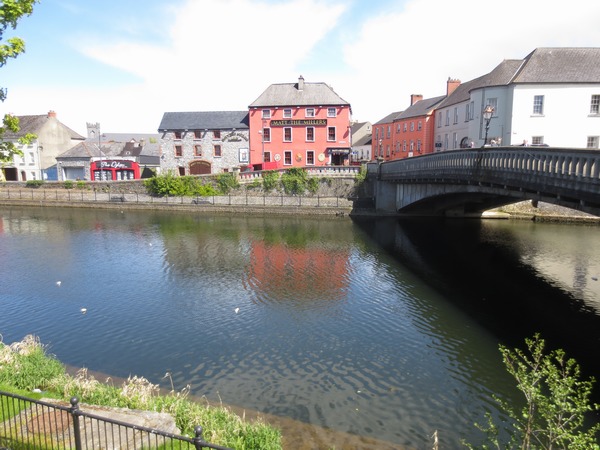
[(25, 366), (556, 403)]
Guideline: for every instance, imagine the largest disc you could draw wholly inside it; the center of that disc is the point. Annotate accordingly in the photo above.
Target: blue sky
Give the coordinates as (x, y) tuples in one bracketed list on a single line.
[(124, 63)]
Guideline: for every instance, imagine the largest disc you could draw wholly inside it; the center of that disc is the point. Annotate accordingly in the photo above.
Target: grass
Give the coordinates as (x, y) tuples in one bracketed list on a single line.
[(25, 366)]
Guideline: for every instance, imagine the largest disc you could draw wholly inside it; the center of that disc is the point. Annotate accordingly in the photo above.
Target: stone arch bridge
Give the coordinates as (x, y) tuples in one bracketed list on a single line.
[(465, 183)]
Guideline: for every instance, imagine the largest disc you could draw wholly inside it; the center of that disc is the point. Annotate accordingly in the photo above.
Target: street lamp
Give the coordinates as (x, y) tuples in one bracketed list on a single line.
[(488, 112)]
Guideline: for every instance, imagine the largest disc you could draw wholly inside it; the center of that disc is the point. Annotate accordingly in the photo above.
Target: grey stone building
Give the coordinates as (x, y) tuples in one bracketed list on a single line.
[(204, 142)]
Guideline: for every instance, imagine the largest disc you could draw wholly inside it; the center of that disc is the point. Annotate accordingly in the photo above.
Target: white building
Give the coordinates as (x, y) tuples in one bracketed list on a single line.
[(551, 97)]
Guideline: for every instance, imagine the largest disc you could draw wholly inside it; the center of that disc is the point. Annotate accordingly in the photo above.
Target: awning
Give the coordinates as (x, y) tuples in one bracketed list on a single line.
[(339, 150)]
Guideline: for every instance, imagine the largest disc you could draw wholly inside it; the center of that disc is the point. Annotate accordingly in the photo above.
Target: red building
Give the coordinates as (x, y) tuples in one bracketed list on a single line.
[(299, 124)]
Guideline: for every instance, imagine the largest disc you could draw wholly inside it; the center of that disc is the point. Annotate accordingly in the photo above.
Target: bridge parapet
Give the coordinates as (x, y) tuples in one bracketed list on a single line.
[(570, 177)]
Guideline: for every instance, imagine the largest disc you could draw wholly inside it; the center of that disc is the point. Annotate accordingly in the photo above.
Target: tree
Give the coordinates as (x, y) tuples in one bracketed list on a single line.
[(556, 403), (10, 13)]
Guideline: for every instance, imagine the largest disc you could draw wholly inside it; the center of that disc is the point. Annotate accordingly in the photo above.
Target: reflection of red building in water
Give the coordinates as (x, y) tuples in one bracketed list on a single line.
[(310, 274), (114, 170)]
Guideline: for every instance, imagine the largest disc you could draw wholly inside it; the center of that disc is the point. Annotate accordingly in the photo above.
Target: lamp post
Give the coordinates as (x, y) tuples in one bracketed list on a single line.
[(488, 112)]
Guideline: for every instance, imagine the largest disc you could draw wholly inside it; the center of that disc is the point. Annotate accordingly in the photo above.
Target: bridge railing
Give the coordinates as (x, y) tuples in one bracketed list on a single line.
[(562, 168)]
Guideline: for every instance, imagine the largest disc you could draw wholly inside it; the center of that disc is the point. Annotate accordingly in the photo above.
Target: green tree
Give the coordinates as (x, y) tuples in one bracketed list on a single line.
[(10, 13), (557, 401)]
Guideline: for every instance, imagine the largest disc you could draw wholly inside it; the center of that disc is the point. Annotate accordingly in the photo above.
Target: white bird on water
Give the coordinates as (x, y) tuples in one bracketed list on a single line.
[(83, 310), (237, 310), (58, 283)]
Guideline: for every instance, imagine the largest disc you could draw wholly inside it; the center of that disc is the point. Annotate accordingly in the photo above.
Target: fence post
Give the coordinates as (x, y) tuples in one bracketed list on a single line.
[(198, 441), (75, 414)]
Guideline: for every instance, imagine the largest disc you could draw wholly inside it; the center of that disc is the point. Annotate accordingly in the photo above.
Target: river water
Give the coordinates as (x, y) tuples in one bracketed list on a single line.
[(383, 329)]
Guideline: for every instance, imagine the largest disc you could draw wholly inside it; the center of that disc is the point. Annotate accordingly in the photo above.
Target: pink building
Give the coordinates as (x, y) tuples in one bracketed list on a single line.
[(299, 124)]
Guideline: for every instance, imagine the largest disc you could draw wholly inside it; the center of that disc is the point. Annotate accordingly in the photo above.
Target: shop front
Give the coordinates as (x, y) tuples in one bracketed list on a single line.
[(114, 170)]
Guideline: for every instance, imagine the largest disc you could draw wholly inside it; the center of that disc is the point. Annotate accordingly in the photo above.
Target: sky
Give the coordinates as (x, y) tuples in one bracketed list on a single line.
[(124, 63)]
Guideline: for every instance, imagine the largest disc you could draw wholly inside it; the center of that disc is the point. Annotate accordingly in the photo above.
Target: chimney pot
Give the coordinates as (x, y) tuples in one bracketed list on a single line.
[(414, 98), (52, 114), (301, 83)]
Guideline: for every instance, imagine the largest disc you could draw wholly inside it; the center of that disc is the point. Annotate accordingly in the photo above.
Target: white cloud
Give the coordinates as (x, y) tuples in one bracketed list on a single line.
[(416, 49)]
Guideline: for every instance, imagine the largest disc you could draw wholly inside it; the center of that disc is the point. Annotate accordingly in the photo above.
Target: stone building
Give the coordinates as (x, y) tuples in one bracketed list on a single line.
[(204, 142)]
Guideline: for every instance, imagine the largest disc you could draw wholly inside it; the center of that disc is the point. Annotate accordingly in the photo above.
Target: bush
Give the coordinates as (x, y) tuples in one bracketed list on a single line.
[(171, 185), (227, 181), (81, 184), (68, 184), (34, 183), (557, 402), (294, 181), (270, 180)]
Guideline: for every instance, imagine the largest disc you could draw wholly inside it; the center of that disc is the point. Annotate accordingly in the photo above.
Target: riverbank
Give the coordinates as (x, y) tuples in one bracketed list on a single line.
[(546, 212)]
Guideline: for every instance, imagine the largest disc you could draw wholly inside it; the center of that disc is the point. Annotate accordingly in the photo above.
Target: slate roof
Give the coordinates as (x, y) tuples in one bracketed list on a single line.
[(33, 124), (561, 65), (389, 118), (365, 140), (204, 120), (420, 108), (290, 94)]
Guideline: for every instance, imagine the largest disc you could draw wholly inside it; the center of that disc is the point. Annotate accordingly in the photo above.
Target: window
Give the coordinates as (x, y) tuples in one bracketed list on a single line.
[(266, 113), (287, 113), (310, 157), (331, 134), (197, 150), (217, 134), (405, 127), (592, 141), (310, 134), (331, 112), (454, 140), (419, 150), (179, 150), (412, 145), (177, 134), (398, 129), (472, 111), (439, 120), (267, 157), (287, 134), (310, 112), (217, 151), (595, 105), (412, 126), (197, 134), (389, 131), (376, 134), (467, 112), (446, 142), (404, 146), (287, 158), (419, 125), (447, 117), (455, 115), (267, 134), (537, 140), (538, 105)]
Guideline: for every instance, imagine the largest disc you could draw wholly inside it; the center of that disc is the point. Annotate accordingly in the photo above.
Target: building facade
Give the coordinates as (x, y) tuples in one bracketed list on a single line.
[(299, 124), (200, 143), (39, 157)]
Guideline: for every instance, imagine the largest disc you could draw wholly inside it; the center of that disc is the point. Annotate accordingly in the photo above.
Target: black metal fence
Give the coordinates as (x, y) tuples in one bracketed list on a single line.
[(34, 424)]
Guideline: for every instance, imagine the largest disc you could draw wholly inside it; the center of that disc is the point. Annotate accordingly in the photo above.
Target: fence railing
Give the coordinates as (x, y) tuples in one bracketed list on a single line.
[(87, 196), (27, 423)]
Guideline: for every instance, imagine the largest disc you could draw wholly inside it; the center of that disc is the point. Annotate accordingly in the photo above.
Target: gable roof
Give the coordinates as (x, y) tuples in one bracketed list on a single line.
[(365, 140), (389, 118), (561, 65), (33, 124), (420, 108), (298, 94), (204, 120)]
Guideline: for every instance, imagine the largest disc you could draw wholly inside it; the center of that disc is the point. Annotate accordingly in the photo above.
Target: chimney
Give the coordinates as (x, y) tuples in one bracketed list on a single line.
[(414, 98), (51, 114), (451, 85), (301, 83)]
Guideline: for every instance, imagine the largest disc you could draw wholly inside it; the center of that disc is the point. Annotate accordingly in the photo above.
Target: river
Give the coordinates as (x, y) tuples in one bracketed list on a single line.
[(383, 329)]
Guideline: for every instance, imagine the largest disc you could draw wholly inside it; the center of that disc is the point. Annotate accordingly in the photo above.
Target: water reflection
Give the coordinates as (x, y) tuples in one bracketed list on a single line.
[(377, 328)]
